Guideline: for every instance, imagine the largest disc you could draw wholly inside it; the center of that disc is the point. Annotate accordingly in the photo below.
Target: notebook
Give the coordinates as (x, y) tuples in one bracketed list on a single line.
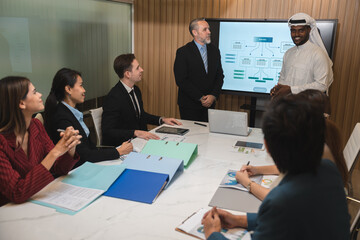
[(228, 122)]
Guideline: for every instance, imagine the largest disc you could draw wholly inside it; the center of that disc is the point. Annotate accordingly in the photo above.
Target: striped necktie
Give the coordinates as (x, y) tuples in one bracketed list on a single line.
[(204, 57)]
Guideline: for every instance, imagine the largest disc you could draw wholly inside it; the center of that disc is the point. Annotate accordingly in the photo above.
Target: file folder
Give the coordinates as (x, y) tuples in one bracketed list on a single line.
[(179, 150), (233, 199), (151, 163), (139, 186)]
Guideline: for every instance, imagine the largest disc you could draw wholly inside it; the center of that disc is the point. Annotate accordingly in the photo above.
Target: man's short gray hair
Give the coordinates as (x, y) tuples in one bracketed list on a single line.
[(194, 24)]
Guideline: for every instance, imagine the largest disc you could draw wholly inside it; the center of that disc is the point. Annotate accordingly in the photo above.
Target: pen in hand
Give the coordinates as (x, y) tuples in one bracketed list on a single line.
[(62, 130), (246, 165)]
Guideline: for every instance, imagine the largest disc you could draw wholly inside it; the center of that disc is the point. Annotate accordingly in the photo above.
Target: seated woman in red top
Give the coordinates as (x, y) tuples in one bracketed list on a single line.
[(28, 158)]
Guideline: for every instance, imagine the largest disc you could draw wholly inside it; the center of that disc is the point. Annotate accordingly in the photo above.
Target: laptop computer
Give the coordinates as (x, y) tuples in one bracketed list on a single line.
[(228, 122)]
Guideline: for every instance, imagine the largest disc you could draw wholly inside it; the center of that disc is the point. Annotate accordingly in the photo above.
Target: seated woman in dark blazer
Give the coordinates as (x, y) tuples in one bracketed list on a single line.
[(67, 90), (309, 202), (28, 158)]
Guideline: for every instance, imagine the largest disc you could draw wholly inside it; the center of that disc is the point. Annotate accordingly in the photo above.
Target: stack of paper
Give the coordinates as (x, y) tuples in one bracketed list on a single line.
[(79, 189)]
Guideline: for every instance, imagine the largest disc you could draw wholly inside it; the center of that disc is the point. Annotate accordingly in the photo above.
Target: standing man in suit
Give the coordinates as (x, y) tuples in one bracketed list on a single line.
[(198, 73), (123, 114)]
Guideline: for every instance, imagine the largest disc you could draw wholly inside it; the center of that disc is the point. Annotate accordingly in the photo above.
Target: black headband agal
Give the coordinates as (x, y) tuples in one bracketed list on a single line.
[(297, 21)]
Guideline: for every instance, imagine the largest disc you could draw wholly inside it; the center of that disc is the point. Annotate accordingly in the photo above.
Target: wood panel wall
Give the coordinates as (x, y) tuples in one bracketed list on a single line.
[(161, 26)]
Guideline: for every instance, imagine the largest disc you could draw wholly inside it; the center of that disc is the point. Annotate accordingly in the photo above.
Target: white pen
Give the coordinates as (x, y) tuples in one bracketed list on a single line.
[(60, 130)]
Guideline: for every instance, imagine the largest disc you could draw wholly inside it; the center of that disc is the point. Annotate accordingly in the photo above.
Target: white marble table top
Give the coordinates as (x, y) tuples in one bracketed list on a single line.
[(112, 218)]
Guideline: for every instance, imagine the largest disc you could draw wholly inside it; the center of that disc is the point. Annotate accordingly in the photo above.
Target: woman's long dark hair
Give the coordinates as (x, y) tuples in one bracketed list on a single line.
[(13, 89), (62, 78)]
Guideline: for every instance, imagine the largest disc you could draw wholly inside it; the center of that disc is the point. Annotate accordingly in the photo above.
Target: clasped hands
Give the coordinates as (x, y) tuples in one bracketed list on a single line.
[(70, 138), (215, 219), (207, 100), (280, 90)]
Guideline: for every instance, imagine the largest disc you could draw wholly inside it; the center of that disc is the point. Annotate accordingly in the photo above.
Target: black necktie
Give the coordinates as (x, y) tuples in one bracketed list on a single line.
[(132, 95)]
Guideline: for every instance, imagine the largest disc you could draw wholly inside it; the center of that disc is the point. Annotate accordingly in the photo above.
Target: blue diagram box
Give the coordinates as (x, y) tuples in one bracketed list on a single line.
[(263, 39)]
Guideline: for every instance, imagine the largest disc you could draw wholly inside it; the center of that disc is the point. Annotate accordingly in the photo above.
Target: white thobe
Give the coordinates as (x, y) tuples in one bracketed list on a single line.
[(305, 67)]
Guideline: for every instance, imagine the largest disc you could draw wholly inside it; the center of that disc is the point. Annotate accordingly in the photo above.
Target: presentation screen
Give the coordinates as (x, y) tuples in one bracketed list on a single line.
[(252, 51)]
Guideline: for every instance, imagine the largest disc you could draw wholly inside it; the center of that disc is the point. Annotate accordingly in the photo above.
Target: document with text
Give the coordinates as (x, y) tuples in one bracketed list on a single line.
[(67, 196)]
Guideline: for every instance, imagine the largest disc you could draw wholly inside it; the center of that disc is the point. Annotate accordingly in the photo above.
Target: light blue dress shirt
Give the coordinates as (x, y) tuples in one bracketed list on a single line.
[(79, 116)]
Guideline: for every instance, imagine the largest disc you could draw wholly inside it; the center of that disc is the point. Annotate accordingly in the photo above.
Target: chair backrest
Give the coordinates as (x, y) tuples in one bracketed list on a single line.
[(355, 222), (354, 208), (352, 148), (40, 117), (96, 115)]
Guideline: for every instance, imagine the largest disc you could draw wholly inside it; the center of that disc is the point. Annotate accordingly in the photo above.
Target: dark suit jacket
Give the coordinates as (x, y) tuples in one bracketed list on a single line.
[(119, 119), (87, 150), (303, 206), (191, 77)]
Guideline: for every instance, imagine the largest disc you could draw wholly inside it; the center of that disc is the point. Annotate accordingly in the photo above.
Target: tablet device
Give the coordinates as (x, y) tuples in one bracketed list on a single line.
[(172, 130), (249, 144)]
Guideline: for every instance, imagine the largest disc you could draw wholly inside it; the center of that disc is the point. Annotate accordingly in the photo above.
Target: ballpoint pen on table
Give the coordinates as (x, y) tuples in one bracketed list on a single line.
[(201, 124)]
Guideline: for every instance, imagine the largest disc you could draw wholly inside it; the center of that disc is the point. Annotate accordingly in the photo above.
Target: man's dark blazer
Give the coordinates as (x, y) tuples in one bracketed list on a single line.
[(191, 77), (87, 150), (119, 119)]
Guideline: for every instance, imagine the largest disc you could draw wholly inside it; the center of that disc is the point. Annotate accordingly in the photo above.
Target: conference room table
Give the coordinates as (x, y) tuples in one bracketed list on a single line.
[(113, 218)]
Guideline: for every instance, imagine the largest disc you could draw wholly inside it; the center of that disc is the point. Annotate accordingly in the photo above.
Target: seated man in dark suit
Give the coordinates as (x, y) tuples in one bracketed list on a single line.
[(123, 114), (309, 202)]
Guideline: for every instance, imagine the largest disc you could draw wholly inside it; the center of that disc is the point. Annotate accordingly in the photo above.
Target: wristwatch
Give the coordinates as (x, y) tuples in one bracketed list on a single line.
[(248, 187)]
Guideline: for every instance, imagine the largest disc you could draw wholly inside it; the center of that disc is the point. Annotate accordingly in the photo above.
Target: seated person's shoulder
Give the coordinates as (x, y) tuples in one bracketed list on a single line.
[(36, 122), (329, 168), (111, 97)]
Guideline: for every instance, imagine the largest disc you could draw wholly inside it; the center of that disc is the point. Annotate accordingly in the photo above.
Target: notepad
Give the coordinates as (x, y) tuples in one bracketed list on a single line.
[(139, 186), (179, 150)]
